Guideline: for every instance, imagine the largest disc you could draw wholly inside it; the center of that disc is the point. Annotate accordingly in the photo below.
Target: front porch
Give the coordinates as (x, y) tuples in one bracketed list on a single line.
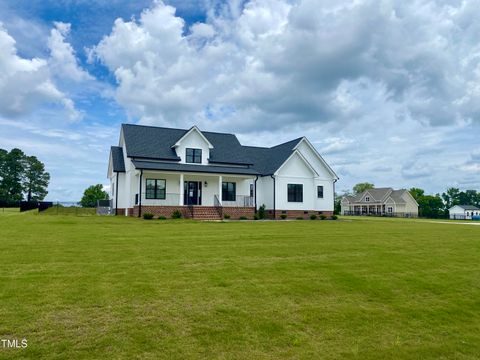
[(199, 196)]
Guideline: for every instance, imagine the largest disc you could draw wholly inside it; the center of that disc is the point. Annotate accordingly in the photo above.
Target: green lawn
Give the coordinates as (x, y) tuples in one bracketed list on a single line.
[(124, 288)]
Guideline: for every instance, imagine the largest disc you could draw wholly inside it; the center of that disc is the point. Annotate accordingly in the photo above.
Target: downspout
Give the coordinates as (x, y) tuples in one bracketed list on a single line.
[(334, 181), (140, 195), (116, 195), (255, 191), (274, 209)]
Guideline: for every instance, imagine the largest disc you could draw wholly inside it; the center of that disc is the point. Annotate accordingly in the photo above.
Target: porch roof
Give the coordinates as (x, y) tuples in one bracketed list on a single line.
[(155, 165)]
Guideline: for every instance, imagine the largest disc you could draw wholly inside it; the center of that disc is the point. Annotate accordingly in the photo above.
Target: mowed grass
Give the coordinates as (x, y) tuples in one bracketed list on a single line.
[(125, 288)]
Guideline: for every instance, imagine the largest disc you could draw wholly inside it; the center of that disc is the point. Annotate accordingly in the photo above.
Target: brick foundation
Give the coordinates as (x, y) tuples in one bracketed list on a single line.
[(294, 214), (163, 211), (195, 212), (238, 212)]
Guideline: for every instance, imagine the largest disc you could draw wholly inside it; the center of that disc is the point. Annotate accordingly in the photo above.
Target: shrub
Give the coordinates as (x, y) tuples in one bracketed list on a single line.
[(283, 216), (322, 217), (243, 218), (226, 216), (334, 217), (313, 217), (262, 214), (299, 218), (256, 217), (176, 214), (148, 216), (162, 218)]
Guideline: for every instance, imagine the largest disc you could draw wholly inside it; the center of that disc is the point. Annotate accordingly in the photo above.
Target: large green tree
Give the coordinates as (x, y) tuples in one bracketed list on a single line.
[(21, 174), (92, 194), (451, 197), (36, 179), (431, 206), (12, 172), (417, 193), (361, 187)]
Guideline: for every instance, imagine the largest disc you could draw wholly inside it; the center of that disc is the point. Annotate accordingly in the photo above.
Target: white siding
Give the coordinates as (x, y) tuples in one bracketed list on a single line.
[(296, 171), (195, 141)]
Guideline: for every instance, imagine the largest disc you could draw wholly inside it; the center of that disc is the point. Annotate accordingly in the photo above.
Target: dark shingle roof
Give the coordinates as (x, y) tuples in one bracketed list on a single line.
[(150, 142), (469, 207), (267, 160), (156, 143), (118, 162), (168, 166)]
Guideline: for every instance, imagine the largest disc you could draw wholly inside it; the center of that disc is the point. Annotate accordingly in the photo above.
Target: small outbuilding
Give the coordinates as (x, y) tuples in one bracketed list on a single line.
[(463, 212)]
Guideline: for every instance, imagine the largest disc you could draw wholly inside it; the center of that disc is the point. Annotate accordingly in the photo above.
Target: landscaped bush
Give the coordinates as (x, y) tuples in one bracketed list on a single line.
[(283, 216), (313, 217), (148, 216), (299, 218), (226, 216), (162, 218), (322, 217), (242, 218), (176, 214), (262, 214), (256, 217), (334, 217)]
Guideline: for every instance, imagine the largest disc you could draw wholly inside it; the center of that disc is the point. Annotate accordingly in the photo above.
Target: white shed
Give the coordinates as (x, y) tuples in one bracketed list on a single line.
[(463, 212)]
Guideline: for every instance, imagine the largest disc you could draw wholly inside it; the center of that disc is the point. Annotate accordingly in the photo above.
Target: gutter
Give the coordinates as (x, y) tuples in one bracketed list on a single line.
[(274, 209), (116, 196), (255, 191), (334, 181)]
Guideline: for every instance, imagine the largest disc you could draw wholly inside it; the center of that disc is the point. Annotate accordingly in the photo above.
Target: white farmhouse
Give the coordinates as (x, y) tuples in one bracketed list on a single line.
[(463, 212), (207, 175)]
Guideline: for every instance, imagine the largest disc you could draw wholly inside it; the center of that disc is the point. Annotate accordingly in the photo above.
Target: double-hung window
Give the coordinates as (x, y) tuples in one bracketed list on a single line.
[(320, 192), (156, 189), (229, 191), (295, 192), (193, 156)]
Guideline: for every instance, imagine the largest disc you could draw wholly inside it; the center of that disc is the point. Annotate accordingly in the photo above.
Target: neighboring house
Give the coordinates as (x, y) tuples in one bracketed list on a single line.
[(381, 201), (209, 174), (463, 212)]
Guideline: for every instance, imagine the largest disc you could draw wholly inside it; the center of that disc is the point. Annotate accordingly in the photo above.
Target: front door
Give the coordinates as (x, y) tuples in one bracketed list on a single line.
[(192, 193)]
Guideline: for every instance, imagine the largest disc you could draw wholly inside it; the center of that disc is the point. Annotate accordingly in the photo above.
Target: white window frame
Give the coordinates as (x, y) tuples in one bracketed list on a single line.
[(367, 198), (390, 209)]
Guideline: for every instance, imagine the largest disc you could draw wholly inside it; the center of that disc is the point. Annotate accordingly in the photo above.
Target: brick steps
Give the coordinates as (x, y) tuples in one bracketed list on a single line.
[(205, 213)]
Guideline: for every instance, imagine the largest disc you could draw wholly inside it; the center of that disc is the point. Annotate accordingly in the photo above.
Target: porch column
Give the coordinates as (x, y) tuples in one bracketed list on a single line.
[(220, 180), (180, 192)]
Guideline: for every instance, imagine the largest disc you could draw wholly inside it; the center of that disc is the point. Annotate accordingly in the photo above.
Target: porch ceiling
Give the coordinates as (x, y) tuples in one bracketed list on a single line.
[(153, 165)]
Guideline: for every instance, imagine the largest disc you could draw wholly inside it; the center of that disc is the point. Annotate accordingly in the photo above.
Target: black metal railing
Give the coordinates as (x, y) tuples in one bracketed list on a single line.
[(239, 201)]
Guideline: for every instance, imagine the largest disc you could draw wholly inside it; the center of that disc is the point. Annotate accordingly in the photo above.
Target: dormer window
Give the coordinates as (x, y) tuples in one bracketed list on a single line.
[(193, 156), (367, 198)]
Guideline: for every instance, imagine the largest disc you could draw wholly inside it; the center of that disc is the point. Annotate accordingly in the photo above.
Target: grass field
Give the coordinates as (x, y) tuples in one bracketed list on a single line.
[(125, 288)]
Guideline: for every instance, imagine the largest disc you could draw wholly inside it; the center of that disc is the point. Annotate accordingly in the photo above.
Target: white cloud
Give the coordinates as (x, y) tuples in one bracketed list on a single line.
[(26, 84), (63, 61), (375, 84)]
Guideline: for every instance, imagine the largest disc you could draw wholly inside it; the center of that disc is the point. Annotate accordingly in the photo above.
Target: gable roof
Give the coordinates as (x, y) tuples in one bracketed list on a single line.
[(118, 163), (152, 142), (467, 207), (193, 128), (379, 195), (267, 160), (145, 143)]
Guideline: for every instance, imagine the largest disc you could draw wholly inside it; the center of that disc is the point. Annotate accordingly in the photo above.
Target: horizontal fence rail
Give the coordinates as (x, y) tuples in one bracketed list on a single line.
[(378, 213)]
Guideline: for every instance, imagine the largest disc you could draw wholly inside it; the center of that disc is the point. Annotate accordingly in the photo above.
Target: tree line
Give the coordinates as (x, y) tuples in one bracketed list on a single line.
[(431, 206), (22, 177)]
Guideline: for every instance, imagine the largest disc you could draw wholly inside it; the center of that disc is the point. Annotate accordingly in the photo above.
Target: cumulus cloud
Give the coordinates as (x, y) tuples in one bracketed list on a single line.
[(27, 84), (63, 61), (283, 61)]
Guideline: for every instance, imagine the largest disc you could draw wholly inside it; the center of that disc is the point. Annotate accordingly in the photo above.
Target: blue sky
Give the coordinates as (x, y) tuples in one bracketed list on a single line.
[(387, 91)]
